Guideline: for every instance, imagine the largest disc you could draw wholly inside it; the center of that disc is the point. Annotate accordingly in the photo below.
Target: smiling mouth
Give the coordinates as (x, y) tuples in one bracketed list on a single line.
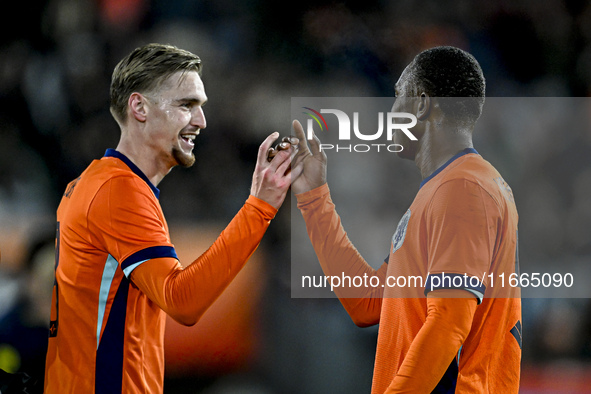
[(190, 138)]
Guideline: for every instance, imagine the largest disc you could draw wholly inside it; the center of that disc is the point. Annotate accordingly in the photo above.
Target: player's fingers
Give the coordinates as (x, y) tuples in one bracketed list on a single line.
[(271, 153), (283, 167), (300, 135), (283, 145), (294, 151), (315, 145), (279, 158), (292, 140), (264, 148), (299, 155), (296, 170)]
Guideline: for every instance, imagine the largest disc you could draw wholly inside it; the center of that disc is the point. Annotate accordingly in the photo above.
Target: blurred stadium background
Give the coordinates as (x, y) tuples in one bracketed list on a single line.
[(56, 58)]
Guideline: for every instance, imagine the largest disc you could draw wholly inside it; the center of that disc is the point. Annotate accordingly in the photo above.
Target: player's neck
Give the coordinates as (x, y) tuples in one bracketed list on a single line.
[(144, 159), (436, 148)]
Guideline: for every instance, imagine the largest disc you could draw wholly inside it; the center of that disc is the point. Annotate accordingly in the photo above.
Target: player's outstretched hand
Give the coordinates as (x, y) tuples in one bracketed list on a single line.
[(310, 162), (271, 179)]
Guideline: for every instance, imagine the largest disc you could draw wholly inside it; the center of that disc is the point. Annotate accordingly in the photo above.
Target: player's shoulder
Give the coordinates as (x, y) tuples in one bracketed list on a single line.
[(112, 175), (478, 173), (122, 180), (472, 167)]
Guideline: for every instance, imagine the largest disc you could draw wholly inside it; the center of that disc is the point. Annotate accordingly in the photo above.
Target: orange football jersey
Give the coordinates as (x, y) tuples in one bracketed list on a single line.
[(460, 232), (109, 221), (117, 274)]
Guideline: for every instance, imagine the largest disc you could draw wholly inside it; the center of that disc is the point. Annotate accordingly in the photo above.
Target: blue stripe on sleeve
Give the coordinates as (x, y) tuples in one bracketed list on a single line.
[(455, 281), (153, 252)]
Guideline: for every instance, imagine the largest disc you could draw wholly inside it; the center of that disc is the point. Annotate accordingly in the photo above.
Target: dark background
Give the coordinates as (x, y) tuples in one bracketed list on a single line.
[(56, 58)]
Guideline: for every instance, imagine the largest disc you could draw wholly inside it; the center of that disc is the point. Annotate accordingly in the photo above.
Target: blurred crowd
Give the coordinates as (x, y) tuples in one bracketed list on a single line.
[(56, 58)]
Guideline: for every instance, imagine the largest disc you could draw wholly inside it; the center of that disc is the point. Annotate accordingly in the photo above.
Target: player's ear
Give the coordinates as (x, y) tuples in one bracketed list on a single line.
[(424, 106), (137, 106)]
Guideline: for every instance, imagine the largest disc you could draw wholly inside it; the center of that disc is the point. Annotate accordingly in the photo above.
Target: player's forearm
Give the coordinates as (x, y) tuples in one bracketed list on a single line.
[(446, 328), (212, 272), (185, 294), (338, 256)]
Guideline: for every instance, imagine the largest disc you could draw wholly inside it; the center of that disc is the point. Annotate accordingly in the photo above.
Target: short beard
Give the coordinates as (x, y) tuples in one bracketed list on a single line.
[(182, 158)]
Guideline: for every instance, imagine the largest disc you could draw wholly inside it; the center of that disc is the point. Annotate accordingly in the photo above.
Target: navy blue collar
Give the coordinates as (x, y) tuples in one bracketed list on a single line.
[(132, 167), (437, 171)]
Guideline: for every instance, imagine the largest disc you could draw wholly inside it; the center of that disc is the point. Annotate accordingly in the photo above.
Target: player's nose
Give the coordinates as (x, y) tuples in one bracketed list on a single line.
[(198, 118)]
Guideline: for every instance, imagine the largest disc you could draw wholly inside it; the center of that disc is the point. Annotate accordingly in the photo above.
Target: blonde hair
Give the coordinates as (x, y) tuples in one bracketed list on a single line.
[(144, 69)]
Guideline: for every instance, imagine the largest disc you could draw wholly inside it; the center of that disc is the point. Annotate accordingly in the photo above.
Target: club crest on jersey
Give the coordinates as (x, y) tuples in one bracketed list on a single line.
[(398, 237)]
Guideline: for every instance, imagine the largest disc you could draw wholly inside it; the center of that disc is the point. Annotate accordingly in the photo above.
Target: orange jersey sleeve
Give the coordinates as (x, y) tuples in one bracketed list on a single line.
[(185, 294), (338, 256), (437, 343)]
